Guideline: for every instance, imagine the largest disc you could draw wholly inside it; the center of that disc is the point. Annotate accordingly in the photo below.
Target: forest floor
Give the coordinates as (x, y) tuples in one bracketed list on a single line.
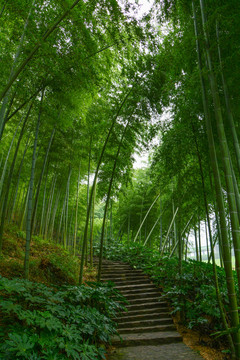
[(204, 344), (49, 262)]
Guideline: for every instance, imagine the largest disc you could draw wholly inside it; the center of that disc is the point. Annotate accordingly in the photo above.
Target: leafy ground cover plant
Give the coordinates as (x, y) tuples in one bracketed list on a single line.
[(68, 322)]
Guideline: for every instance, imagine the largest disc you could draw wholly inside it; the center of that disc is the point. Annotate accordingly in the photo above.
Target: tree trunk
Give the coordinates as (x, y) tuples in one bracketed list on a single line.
[(225, 245), (16, 57), (35, 49), (224, 150), (9, 180), (94, 184), (76, 213), (30, 196), (40, 179), (107, 202)]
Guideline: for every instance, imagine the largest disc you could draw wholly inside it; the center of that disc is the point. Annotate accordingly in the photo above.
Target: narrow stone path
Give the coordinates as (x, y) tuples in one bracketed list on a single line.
[(146, 329)]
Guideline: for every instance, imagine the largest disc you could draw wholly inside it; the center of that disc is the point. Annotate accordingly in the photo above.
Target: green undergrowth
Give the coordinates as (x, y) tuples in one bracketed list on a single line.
[(192, 294), (55, 323), (50, 263)]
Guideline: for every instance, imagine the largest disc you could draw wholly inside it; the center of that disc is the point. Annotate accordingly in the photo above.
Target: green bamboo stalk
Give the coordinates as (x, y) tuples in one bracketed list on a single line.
[(168, 232), (225, 245), (16, 57), (153, 227), (92, 227), (199, 239), (145, 217), (35, 49), (76, 213), (9, 180), (224, 149), (94, 184), (228, 104), (40, 179), (49, 208), (50, 234), (182, 234), (107, 202), (24, 206), (7, 157), (30, 196)]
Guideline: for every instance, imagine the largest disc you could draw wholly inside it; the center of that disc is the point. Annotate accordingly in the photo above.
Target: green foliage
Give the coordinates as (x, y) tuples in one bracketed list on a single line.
[(39, 322), (193, 293)]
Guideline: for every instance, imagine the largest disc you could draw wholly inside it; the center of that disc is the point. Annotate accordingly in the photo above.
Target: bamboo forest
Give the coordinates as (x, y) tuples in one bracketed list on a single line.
[(119, 179)]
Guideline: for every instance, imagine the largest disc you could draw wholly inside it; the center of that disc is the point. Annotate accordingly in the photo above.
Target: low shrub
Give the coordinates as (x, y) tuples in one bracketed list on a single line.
[(68, 322)]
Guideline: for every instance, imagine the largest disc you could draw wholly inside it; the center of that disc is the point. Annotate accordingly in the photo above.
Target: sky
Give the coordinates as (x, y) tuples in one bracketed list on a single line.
[(143, 8), (140, 160)]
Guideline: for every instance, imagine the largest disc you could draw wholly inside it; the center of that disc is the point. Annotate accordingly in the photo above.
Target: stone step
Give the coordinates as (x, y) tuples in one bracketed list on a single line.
[(148, 305), (145, 323), (144, 300), (151, 338), (135, 286), (123, 277), (114, 268), (146, 330), (128, 282), (143, 311), (145, 316), (139, 291), (110, 262), (143, 295), (120, 272), (175, 351), (125, 282)]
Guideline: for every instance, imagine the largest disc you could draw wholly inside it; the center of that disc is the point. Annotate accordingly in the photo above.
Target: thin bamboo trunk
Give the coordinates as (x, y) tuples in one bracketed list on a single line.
[(199, 240), (91, 232), (40, 179), (88, 188), (16, 57), (94, 184), (9, 180), (206, 233), (30, 196), (145, 217), (41, 232), (168, 232), (76, 213), (65, 232), (50, 235), (24, 206), (14, 203), (196, 244), (228, 104), (129, 222), (49, 208), (7, 157), (224, 149), (35, 49), (225, 245), (107, 202)]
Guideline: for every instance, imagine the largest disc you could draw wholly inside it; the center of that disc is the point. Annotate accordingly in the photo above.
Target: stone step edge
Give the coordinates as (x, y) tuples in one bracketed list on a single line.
[(146, 330), (141, 339), (145, 321), (141, 316)]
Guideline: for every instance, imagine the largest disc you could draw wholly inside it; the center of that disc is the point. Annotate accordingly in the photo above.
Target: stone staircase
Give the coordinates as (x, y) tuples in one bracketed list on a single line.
[(147, 331)]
